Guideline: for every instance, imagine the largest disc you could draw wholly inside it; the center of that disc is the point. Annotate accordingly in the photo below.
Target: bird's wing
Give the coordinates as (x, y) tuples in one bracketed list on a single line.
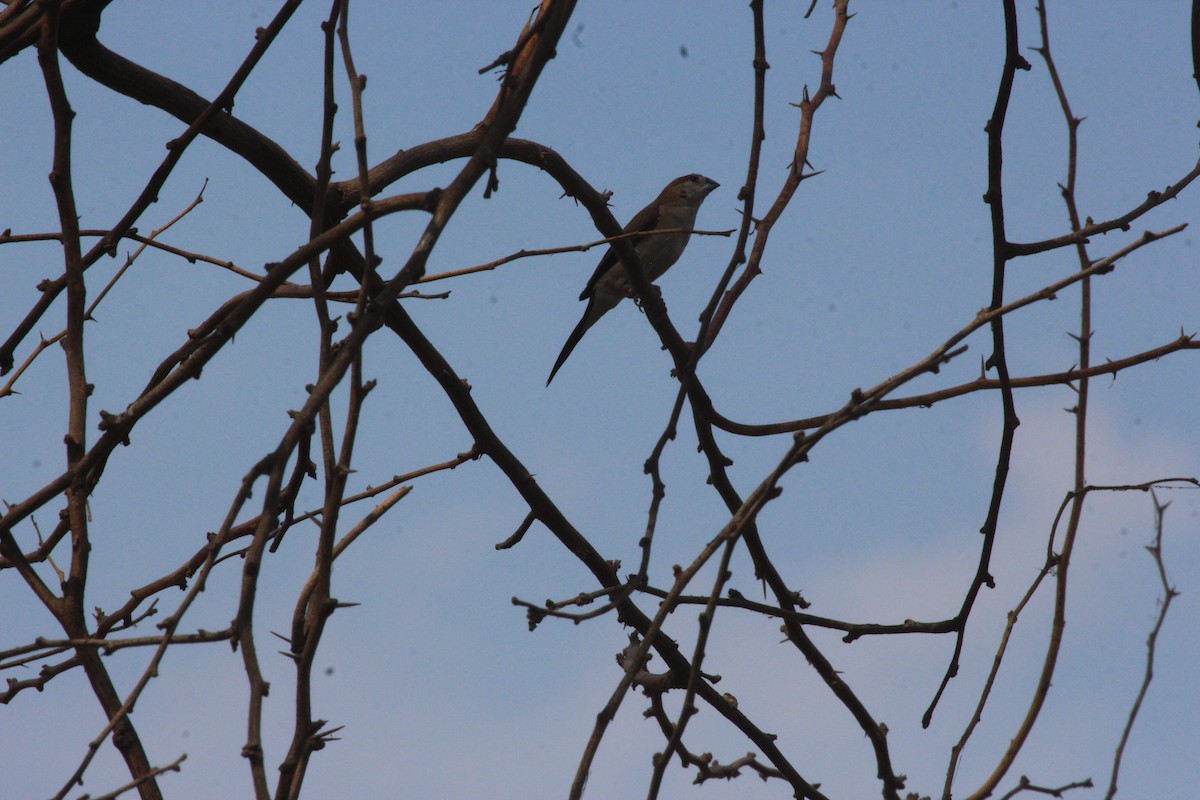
[(608, 262), (644, 220)]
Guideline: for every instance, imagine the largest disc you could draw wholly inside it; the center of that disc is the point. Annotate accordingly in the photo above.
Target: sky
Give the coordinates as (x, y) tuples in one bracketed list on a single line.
[(441, 688)]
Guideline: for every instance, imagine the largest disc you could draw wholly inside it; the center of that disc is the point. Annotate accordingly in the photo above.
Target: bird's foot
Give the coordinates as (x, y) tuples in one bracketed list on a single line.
[(657, 296)]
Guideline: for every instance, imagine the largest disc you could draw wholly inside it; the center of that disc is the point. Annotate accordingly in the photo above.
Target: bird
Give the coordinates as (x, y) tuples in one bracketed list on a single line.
[(675, 207)]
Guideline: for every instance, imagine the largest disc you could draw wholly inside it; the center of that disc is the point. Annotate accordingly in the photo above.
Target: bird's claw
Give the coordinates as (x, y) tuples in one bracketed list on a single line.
[(637, 301)]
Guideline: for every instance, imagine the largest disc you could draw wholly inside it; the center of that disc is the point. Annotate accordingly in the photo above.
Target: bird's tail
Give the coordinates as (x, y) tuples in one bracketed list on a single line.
[(589, 319)]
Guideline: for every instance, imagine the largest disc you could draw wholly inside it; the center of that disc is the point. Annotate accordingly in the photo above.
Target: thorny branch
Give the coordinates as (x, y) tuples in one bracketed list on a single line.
[(344, 213)]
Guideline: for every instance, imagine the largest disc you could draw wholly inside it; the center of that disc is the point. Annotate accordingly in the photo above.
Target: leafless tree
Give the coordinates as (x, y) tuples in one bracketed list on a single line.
[(56, 568)]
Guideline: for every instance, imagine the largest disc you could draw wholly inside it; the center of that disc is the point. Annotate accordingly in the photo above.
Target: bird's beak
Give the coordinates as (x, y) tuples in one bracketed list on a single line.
[(710, 185)]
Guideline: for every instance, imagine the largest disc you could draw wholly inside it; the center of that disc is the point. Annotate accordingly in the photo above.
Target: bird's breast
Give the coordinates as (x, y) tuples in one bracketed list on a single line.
[(658, 253)]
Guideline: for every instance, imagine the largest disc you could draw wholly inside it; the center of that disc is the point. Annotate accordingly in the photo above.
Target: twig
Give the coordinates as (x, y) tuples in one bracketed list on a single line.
[(1169, 594)]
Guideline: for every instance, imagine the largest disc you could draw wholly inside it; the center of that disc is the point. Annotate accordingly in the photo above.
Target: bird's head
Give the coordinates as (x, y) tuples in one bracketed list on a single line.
[(690, 190)]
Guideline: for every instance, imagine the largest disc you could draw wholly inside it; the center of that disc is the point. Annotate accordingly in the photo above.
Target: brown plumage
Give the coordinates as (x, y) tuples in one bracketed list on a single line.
[(675, 207)]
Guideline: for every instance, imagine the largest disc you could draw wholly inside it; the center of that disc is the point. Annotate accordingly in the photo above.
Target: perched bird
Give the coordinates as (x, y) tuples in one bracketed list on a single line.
[(675, 207)]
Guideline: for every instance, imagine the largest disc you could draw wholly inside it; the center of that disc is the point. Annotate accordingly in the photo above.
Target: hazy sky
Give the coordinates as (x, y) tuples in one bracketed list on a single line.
[(443, 691)]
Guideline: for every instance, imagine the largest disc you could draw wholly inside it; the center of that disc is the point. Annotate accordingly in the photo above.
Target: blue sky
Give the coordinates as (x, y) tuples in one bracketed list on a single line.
[(442, 690)]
